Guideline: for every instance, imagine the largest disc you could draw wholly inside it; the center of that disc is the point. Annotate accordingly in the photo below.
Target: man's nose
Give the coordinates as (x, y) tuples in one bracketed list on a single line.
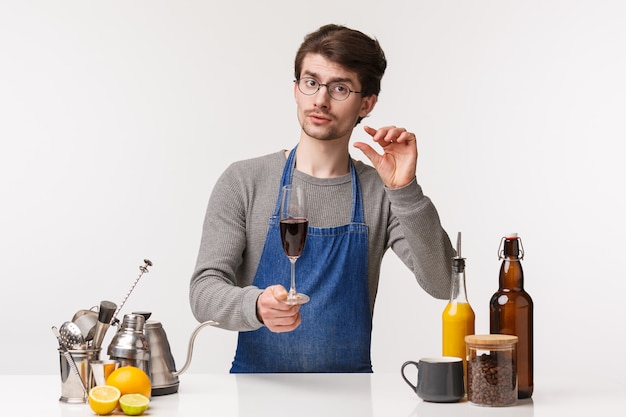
[(322, 97)]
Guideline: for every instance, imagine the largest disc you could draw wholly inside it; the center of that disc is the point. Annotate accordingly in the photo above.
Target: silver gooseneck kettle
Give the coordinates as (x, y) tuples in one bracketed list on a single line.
[(162, 369)]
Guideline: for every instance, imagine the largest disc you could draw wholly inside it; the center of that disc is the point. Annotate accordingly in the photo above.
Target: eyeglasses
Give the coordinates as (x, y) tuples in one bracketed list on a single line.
[(336, 90)]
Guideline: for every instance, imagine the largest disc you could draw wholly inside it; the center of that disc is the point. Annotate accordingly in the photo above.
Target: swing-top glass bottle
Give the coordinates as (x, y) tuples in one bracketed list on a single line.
[(511, 310)]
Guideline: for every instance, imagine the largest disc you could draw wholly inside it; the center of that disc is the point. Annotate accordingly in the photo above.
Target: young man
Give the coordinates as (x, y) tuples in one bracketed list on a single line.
[(356, 212)]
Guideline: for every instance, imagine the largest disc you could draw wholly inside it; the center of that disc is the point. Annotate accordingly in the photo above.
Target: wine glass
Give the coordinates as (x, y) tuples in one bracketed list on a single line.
[(294, 225)]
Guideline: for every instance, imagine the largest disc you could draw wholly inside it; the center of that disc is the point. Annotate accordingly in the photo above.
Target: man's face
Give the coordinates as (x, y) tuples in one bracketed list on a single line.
[(322, 117)]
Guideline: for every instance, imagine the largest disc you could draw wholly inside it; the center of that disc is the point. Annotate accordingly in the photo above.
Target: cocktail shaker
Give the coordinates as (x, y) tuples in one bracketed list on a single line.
[(129, 345)]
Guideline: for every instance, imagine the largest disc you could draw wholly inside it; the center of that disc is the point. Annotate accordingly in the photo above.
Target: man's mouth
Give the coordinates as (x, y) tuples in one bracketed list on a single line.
[(319, 117)]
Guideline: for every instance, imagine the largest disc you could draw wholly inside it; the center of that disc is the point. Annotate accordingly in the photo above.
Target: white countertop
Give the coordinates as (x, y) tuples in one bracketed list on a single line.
[(319, 395)]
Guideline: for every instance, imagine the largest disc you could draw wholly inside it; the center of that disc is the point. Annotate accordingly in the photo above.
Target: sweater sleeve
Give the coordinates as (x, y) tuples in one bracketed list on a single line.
[(417, 237), (214, 291)]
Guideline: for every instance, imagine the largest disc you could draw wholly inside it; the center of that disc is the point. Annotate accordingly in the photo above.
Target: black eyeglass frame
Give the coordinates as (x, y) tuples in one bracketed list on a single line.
[(328, 88)]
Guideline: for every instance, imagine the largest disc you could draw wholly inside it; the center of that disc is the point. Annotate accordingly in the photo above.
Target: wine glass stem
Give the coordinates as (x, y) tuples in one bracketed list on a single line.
[(292, 290)]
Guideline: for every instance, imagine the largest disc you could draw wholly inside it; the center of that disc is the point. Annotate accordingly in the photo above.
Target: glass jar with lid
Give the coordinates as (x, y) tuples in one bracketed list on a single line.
[(492, 369)]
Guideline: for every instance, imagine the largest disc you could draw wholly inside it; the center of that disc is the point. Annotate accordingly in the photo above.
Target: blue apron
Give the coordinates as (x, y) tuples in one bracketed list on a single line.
[(335, 333)]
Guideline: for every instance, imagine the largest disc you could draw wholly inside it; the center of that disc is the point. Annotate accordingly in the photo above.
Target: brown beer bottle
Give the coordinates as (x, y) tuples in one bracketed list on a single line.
[(511, 310)]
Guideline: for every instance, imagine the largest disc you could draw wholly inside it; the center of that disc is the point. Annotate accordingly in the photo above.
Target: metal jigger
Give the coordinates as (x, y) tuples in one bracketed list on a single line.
[(105, 315)]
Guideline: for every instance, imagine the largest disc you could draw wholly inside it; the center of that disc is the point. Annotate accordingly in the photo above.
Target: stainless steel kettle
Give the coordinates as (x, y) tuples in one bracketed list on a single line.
[(162, 369)]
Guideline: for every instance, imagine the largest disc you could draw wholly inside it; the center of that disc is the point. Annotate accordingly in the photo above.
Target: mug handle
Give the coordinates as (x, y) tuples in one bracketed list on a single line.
[(404, 376)]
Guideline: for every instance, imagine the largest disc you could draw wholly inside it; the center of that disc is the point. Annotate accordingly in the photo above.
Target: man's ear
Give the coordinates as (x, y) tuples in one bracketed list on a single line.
[(367, 105)]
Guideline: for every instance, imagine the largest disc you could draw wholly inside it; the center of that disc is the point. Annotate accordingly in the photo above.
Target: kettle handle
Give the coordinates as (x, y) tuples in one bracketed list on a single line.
[(191, 341)]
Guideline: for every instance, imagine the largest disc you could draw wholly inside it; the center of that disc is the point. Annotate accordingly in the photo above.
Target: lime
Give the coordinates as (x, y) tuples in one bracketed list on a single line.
[(103, 399), (134, 404)]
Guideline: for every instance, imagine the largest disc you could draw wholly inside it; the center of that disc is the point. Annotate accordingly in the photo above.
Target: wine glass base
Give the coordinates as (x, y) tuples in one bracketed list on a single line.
[(295, 299)]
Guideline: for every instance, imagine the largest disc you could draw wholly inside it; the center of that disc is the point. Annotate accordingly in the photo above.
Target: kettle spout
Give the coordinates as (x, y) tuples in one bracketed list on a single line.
[(191, 342)]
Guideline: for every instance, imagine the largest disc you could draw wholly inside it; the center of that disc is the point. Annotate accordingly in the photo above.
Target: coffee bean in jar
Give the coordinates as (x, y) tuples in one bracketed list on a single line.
[(491, 369)]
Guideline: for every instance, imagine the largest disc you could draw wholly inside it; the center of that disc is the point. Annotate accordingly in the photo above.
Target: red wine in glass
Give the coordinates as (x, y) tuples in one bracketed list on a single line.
[(294, 225), (293, 235)]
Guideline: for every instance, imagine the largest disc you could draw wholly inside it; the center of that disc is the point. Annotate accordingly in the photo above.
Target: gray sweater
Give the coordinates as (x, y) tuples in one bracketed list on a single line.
[(235, 227)]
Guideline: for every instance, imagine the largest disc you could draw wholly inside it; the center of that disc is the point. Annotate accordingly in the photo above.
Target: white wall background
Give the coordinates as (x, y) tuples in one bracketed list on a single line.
[(116, 118)]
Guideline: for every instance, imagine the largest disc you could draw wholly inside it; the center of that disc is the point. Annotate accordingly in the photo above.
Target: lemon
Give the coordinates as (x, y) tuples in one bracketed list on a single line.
[(130, 380), (134, 404), (103, 399)]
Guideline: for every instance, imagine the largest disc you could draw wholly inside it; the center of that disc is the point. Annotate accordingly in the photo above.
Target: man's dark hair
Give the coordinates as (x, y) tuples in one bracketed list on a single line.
[(349, 48)]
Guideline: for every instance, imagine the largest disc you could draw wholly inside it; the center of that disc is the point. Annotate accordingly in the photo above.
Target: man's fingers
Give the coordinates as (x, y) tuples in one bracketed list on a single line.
[(284, 324), (371, 154), (276, 315), (279, 292)]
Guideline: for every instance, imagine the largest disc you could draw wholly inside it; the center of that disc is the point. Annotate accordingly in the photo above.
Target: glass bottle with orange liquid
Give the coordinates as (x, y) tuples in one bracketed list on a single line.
[(458, 317)]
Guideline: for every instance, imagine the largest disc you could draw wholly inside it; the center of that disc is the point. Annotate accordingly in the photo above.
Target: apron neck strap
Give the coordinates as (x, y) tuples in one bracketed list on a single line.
[(357, 202)]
